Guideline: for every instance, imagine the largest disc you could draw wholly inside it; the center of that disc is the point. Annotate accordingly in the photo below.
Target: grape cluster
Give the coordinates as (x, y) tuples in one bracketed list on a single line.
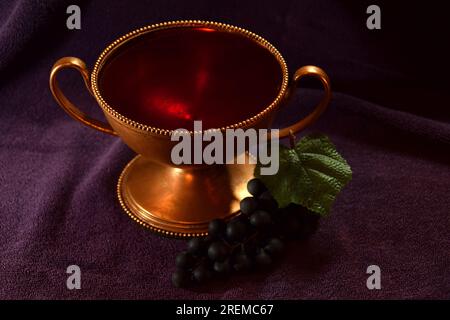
[(251, 240)]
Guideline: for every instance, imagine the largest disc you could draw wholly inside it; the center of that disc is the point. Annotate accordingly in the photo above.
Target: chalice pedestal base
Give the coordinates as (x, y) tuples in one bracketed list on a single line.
[(181, 202)]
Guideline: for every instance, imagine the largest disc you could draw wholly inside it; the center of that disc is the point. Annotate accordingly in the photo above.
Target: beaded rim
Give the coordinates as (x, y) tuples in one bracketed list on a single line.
[(143, 223), (186, 23)]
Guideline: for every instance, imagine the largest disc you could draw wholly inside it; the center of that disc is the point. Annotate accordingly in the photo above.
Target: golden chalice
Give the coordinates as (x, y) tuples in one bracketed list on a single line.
[(158, 78)]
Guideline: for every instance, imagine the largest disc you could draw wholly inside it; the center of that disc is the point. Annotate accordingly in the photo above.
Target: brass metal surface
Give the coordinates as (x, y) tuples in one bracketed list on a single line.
[(179, 200), (319, 109), (74, 112)]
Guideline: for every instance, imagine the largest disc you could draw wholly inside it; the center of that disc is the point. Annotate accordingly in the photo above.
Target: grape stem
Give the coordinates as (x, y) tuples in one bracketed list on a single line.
[(249, 239)]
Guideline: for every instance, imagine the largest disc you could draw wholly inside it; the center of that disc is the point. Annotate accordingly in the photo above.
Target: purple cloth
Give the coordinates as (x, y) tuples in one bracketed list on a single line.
[(389, 118)]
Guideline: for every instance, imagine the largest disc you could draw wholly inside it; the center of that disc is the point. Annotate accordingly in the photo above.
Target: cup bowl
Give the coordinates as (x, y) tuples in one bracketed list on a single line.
[(159, 78)]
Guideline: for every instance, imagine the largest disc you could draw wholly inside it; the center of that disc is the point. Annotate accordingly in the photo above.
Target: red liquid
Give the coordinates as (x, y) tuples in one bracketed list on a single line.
[(170, 78)]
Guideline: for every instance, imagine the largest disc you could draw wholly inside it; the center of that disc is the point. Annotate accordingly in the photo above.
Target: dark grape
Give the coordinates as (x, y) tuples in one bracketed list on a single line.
[(180, 278), (260, 219), (248, 205), (267, 202), (274, 247), (249, 248), (263, 259), (195, 246), (296, 209), (266, 195), (270, 205), (208, 240), (242, 262), (216, 228), (254, 237), (183, 260), (218, 251), (256, 187), (239, 218), (236, 230), (202, 273), (222, 267)]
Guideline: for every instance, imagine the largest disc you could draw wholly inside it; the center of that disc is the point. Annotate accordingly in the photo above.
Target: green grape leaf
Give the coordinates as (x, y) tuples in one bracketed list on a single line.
[(311, 174)]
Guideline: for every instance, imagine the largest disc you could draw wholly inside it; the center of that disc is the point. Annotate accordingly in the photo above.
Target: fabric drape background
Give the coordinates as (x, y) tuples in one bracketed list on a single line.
[(389, 117)]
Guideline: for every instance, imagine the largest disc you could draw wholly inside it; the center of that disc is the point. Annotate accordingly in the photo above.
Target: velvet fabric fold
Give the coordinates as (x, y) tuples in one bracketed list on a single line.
[(389, 117)]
